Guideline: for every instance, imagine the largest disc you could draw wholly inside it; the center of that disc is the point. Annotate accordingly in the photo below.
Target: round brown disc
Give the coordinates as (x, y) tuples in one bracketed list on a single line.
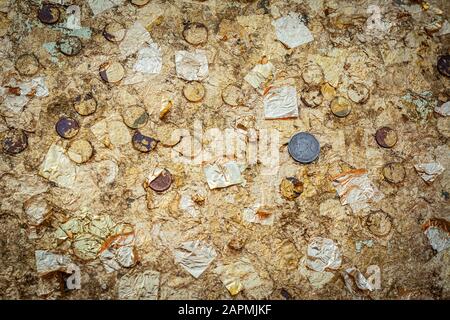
[(114, 32), (379, 223), (313, 75), (386, 137), (358, 92), (341, 107), (394, 172), (162, 182), (27, 65), (312, 98), (70, 46), (86, 105), (142, 142), (48, 14), (232, 95), (135, 117), (15, 141), (194, 91), (112, 72), (195, 33), (80, 151), (67, 128)]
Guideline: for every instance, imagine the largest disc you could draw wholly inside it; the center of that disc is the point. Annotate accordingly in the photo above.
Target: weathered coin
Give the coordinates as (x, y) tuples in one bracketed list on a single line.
[(386, 137), (85, 105), (67, 127), (312, 98), (162, 182), (195, 33), (112, 72), (135, 117), (15, 141), (70, 46), (27, 65), (80, 151), (291, 188), (304, 147), (443, 65), (142, 142), (379, 223), (139, 3), (48, 14), (341, 107), (232, 95), (114, 32), (394, 172), (313, 75), (358, 92), (194, 91)]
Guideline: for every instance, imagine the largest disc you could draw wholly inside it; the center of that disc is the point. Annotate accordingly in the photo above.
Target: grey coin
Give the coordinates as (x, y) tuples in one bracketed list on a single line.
[(304, 147)]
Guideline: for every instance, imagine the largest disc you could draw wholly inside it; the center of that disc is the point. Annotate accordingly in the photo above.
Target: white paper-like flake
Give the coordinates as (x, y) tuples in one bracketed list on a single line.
[(98, 6), (191, 65), (323, 253), (359, 279), (281, 102), (355, 189), (439, 238), (135, 37), (73, 17), (221, 176), (119, 254), (241, 275), (149, 60), (27, 90), (194, 256), (187, 205), (429, 171), (139, 286), (57, 167), (36, 209), (291, 30), (47, 262), (443, 109), (258, 76), (317, 279), (445, 29)]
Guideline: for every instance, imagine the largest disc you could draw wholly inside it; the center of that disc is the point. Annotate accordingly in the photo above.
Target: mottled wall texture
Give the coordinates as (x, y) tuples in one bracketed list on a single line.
[(188, 149)]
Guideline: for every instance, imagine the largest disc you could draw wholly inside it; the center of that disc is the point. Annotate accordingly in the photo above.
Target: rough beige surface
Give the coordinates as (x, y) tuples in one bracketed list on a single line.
[(87, 210)]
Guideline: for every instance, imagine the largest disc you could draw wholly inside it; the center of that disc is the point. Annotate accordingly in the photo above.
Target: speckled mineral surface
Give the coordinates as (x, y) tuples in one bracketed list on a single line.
[(169, 175)]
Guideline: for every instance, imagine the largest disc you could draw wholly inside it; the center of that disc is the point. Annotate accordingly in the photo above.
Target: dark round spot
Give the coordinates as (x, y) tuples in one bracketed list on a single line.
[(386, 137), (143, 143), (304, 147), (67, 127), (162, 182), (48, 14), (70, 46), (443, 65), (15, 141)]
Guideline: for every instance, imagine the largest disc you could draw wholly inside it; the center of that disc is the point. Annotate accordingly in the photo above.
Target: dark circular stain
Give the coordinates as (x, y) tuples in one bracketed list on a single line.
[(67, 127), (303, 147), (142, 142), (443, 65), (162, 182), (48, 14), (386, 137), (15, 141)]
